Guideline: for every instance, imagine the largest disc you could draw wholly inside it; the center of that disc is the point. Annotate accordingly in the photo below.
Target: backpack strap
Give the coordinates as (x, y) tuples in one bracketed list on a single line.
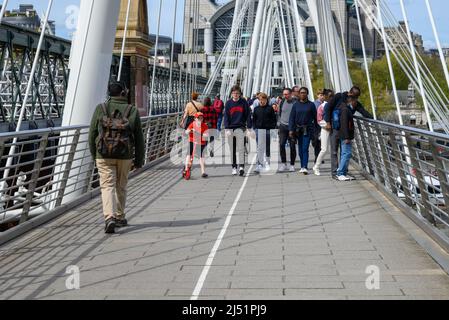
[(127, 111), (105, 110)]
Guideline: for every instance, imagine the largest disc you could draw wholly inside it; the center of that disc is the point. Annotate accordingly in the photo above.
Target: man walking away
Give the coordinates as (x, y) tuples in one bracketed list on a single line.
[(210, 119), (285, 110), (237, 119), (346, 135), (354, 93), (115, 139), (302, 126)]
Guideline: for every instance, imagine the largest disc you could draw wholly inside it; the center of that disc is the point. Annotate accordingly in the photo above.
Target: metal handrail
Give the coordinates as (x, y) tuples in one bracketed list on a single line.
[(404, 128), (52, 167), (412, 166)]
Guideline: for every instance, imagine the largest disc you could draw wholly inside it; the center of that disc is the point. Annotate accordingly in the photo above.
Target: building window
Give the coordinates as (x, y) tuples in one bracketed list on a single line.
[(200, 34), (199, 65), (311, 39)]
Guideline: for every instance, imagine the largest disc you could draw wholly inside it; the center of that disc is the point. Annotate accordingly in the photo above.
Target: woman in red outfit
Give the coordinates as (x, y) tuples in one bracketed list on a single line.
[(198, 134)]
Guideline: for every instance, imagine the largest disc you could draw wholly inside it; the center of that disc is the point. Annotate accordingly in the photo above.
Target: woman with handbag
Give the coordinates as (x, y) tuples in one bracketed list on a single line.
[(302, 126), (191, 109)]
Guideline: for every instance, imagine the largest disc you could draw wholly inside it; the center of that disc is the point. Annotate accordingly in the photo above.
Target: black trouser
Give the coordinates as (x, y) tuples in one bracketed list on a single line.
[(283, 138), (335, 146), (317, 143)]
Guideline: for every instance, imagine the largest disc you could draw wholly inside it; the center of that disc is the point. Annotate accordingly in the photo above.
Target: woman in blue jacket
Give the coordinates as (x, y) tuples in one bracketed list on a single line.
[(302, 126)]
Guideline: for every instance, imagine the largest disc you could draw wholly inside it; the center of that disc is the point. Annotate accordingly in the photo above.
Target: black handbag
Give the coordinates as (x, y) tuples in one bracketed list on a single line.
[(190, 119), (301, 131)]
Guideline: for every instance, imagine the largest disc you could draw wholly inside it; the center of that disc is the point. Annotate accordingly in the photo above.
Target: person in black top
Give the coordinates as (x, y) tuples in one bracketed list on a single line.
[(303, 120), (346, 136), (264, 120), (339, 98)]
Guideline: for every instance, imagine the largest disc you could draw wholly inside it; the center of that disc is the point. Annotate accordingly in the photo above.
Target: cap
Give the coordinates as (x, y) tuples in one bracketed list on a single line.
[(198, 114)]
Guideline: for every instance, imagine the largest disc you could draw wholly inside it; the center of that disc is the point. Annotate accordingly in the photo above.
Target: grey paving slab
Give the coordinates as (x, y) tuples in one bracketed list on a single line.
[(290, 237)]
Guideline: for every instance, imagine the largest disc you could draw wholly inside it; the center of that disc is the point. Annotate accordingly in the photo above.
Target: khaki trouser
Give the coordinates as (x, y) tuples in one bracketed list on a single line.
[(113, 182)]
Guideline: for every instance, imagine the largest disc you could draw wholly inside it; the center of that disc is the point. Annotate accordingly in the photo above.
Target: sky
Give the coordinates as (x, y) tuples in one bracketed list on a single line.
[(64, 11)]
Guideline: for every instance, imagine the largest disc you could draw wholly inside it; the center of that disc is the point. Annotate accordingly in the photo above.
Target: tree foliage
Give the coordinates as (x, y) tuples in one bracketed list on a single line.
[(381, 81)]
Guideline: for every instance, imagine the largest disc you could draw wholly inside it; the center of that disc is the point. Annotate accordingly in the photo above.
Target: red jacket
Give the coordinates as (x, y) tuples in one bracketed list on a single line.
[(197, 134), (218, 106)]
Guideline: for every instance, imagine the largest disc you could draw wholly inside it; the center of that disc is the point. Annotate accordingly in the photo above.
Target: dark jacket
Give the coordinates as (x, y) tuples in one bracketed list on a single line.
[(336, 101), (303, 114), (119, 104), (237, 115), (264, 118), (346, 131)]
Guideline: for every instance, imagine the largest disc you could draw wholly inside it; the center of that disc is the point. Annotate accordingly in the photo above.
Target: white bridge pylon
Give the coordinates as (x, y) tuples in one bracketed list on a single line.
[(278, 22)]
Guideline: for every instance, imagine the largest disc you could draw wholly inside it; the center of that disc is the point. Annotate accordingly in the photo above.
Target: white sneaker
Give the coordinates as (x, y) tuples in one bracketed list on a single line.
[(305, 171), (267, 167), (234, 171), (259, 168), (292, 169), (316, 171), (343, 178), (282, 167), (242, 171)]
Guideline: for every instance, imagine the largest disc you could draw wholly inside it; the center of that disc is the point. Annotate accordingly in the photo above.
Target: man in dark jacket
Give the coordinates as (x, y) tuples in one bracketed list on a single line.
[(346, 136), (114, 171), (237, 119), (303, 120), (354, 94)]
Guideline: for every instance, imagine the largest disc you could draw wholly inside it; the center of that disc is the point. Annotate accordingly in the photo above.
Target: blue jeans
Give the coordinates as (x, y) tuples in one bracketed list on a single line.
[(346, 154), (220, 121), (303, 150)]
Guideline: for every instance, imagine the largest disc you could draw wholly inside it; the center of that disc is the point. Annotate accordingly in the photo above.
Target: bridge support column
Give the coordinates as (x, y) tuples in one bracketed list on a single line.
[(90, 65), (137, 49)]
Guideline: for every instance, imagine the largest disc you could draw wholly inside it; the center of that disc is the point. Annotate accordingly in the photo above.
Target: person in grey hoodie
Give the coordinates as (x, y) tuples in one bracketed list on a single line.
[(285, 110)]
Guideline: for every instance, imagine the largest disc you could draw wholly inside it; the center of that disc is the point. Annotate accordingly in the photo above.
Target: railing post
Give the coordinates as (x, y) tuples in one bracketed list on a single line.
[(421, 181), (89, 177), (400, 166), (34, 177), (363, 139), (2, 147), (146, 136), (153, 142), (441, 172), (374, 145), (68, 168), (386, 160)]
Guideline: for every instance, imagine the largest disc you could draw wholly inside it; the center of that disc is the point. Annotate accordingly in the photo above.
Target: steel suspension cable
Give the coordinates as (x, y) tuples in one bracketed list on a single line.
[(156, 48)]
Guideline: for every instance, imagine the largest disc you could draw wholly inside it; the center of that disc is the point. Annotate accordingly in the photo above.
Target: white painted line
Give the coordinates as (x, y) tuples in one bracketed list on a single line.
[(210, 259)]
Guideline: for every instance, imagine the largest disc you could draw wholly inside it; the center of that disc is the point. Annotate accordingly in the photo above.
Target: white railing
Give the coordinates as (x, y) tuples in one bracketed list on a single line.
[(53, 166)]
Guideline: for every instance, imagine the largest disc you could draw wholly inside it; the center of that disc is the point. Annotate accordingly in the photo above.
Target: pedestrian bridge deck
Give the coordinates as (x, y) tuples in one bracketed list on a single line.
[(290, 237)]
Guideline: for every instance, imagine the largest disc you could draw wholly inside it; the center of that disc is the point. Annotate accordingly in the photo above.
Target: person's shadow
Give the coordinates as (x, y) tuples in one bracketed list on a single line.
[(166, 224)]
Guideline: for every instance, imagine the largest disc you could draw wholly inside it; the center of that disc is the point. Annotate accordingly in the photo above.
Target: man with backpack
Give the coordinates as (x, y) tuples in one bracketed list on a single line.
[(329, 114), (115, 140)]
